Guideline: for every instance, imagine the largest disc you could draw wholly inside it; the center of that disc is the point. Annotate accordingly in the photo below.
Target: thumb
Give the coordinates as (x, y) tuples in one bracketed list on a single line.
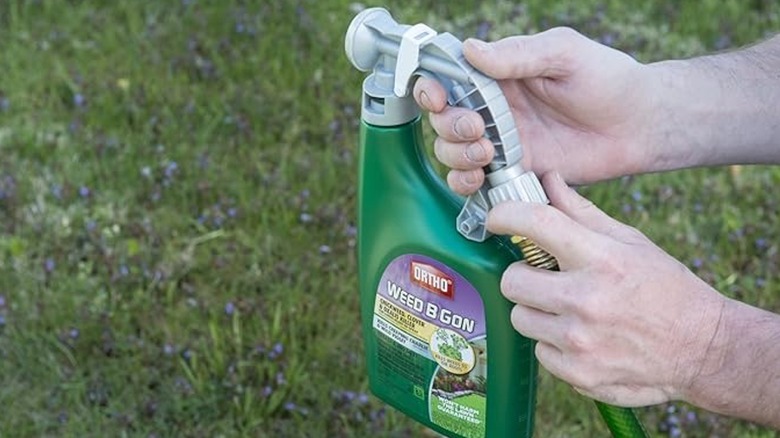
[(577, 207), (546, 54)]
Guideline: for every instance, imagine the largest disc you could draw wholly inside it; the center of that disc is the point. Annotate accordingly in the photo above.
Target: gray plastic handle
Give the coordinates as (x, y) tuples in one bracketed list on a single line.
[(397, 54)]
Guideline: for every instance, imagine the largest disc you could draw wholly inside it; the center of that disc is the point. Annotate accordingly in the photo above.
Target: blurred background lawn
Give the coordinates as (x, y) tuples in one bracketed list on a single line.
[(177, 190)]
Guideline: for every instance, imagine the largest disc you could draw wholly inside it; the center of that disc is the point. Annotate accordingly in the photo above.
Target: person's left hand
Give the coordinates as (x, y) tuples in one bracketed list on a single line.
[(622, 321)]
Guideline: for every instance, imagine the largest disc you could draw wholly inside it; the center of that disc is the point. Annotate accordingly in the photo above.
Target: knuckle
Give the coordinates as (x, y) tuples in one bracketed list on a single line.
[(575, 341), (563, 32), (539, 215), (582, 379), (588, 307)]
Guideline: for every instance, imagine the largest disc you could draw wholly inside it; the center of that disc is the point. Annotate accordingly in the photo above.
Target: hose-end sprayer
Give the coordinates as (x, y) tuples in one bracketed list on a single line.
[(396, 55)]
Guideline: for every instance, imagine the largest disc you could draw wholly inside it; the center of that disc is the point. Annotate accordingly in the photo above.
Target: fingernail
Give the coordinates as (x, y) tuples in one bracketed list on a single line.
[(479, 44), (425, 100), (464, 128), (475, 152), (469, 178)]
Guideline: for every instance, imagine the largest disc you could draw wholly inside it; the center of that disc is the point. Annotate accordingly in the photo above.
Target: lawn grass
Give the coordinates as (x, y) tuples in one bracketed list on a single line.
[(177, 191)]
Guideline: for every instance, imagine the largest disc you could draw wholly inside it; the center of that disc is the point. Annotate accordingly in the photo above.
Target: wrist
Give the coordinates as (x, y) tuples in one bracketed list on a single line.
[(738, 374), (696, 382), (673, 140)]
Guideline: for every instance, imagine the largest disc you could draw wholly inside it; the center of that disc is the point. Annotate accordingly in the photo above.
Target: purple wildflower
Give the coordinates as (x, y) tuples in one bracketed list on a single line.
[(230, 308), (325, 249), (306, 218), (2, 301), (267, 390), (79, 100), (124, 270), (362, 398), (276, 351), (74, 333), (84, 191), (90, 225), (168, 349), (280, 380), (2, 321), (49, 265), (170, 169), (5, 104), (697, 263), (289, 406), (232, 212), (636, 195), (761, 243)]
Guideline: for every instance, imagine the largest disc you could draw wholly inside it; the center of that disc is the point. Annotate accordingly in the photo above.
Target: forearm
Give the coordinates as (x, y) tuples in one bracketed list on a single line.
[(741, 373), (715, 110)]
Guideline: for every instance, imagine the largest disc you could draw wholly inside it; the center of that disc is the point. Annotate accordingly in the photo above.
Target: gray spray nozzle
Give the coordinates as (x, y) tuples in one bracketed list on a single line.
[(396, 54)]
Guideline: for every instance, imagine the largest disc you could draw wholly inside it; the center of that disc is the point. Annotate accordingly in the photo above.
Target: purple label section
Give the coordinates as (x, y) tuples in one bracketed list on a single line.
[(435, 293)]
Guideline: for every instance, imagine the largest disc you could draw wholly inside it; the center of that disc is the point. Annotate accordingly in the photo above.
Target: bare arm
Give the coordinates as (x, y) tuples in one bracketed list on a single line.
[(718, 109)]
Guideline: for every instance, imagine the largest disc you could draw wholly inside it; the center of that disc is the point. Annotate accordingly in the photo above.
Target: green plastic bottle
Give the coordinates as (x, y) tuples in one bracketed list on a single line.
[(438, 338)]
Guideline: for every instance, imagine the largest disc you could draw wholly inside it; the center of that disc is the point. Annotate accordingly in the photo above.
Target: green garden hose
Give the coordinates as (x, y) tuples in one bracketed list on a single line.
[(622, 422)]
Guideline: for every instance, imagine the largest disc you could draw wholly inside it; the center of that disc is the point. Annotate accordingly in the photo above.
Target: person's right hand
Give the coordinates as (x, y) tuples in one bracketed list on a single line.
[(582, 109)]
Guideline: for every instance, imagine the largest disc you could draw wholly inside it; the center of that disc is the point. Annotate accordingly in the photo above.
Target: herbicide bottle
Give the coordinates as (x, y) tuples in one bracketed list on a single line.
[(439, 343)]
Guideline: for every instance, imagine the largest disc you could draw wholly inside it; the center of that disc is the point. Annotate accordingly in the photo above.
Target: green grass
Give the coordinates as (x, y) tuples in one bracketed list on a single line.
[(177, 190)]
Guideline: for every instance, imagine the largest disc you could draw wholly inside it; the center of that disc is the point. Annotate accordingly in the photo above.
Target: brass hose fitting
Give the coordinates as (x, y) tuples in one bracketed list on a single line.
[(534, 255)]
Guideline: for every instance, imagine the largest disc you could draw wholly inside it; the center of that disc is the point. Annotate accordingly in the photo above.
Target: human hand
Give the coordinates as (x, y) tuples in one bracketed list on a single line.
[(622, 321), (582, 109)]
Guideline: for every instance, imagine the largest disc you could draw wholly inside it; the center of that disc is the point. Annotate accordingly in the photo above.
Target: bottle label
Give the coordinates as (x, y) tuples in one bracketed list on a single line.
[(431, 341)]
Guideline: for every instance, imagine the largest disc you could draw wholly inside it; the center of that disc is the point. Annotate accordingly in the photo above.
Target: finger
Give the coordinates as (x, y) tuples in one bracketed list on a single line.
[(581, 209), (464, 156), (546, 54), (536, 324), (458, 124), (567, 240), (430, 95), (537, 288), (553, 360), (465, 182)]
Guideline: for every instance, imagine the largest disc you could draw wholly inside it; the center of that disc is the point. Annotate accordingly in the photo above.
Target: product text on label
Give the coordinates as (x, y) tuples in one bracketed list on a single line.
[(431, 310)]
